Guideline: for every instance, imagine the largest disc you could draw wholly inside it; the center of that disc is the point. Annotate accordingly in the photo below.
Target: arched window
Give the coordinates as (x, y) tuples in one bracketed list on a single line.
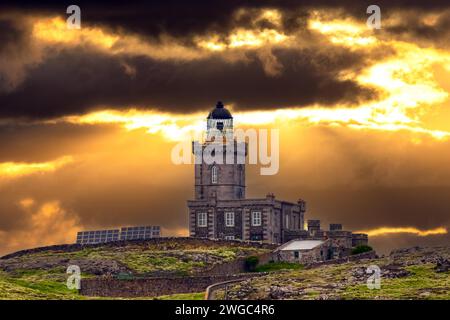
[(214, 174)]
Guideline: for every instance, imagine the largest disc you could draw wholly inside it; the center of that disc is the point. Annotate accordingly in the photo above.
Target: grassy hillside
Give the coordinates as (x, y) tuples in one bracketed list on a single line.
[(405, 274), (42, 274), (415, 273)]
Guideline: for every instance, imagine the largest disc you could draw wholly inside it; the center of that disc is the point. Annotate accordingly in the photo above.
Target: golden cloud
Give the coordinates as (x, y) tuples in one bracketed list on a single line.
[(49, 224), (395, 230), (18, 169), (406, 80)]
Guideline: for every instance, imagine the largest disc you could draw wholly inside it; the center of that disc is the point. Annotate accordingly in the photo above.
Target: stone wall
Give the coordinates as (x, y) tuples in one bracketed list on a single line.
[(236, 266), (222, 229), (360, 239), (365, 255), (151, 287), (289, 235)]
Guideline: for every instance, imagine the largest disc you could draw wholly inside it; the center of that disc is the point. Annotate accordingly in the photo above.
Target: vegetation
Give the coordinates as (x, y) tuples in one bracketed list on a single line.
[(35, 284), (276, 266), (42, 275), (422, 283), (406, 274), (361, 249), (183, 296), (409, 274)]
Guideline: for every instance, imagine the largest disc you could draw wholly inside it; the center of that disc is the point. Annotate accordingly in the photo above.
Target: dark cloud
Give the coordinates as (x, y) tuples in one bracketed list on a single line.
[(16, 51), (181, 18), (413, 26), (75, 81)]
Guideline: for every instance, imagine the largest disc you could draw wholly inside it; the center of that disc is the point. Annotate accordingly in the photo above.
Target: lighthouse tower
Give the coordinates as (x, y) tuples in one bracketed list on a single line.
[(220, 209), (223, 179)]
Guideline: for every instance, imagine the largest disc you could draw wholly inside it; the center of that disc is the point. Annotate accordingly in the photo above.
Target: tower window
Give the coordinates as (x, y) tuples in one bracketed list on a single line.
[(229, 219), (202, 219), (214, 174), (256, 218)]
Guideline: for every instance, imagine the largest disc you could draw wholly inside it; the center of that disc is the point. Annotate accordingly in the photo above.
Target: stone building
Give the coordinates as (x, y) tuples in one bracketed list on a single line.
[(220, 209), (315, 244), (305, 251)]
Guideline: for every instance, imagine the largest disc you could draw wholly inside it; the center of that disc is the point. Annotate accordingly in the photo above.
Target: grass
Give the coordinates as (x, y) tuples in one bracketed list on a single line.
[(277, 266), (423, 283), (183, 296), (174, 258), (147, 259), (35, 284), (338, 282)]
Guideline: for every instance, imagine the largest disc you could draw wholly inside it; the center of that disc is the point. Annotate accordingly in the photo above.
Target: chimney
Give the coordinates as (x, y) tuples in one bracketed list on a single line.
[(313, 226), (270, 196), (302, 205), (335, 226)]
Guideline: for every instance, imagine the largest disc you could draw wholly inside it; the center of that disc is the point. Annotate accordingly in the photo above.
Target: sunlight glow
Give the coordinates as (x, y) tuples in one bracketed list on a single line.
[(404, 80), (17, 169), (392, 230)]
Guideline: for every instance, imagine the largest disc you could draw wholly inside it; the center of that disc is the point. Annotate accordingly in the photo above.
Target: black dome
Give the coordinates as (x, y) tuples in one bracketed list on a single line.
[(220, 112)]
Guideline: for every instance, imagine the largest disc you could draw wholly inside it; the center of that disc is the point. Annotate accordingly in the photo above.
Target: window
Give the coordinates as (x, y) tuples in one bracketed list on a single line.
[(201, 219), (296, 254), (229, 219), (229, 237), (214, 174), (256, 237), (287, 221), (256, 218)]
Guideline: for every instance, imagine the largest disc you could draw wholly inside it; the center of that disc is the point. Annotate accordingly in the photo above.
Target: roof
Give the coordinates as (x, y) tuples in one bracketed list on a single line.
[(220, 112), (301, 245)]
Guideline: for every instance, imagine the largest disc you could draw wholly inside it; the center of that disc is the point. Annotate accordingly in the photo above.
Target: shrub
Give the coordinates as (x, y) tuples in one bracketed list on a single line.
[(361, 249), (251, 263)]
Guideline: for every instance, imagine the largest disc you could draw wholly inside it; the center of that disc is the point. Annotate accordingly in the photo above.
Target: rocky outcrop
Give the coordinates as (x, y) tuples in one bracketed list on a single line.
[(442, 265), (409, 273)]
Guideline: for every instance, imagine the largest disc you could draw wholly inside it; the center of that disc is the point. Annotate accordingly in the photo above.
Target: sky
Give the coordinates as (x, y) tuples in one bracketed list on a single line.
[(89, 116)]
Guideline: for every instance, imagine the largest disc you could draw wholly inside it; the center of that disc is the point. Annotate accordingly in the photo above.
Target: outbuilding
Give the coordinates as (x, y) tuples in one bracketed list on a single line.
[(305, 251)]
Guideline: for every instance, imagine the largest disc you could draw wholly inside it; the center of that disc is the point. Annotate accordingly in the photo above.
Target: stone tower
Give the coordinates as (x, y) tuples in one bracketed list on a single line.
[(220, 209), (223, 176)]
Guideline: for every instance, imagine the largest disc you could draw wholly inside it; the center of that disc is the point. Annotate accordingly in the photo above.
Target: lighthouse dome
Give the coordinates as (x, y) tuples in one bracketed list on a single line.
[(220, 112)]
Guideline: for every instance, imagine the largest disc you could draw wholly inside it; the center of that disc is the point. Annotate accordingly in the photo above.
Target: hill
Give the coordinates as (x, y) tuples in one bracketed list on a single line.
[(414, 273), (41, 273)]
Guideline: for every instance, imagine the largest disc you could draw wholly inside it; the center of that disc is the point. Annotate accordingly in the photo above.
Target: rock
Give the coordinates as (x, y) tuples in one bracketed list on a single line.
[(393, 271), (442, 265), (277, 292)]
